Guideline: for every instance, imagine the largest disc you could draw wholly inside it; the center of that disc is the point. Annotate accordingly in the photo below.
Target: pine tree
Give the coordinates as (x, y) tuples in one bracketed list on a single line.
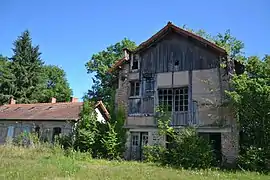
[(26, 65)]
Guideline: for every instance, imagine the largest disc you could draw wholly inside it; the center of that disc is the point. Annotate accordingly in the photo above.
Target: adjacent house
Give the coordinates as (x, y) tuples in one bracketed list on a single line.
[(46, 119), (180, 70)]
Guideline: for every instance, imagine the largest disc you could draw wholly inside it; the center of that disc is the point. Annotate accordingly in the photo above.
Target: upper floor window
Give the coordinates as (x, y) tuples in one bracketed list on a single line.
[(134, 88), (174, 99), (135, 62)]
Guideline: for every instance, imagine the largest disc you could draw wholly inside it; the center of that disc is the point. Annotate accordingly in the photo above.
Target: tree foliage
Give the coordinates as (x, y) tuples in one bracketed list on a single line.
[(6, 80), (103, 82), (251, 99), (25, 77), (26, 65), (55, 84), (86, 129)]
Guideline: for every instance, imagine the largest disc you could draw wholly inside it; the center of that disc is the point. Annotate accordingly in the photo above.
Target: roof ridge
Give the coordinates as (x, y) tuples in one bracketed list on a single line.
[(43, 103)]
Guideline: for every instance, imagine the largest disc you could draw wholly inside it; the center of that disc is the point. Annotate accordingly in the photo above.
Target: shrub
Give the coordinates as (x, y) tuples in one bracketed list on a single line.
[(65, 141), (154, 153), (186, 150), (255, 159), (26, 139)]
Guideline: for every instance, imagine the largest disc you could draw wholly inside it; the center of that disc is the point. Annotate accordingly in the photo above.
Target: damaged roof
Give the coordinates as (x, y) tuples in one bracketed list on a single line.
[(157, 36), (46, 111)]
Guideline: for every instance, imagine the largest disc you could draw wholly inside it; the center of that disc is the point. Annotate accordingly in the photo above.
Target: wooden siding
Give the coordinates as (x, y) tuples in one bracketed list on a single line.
[(175, 53), (175, 62)]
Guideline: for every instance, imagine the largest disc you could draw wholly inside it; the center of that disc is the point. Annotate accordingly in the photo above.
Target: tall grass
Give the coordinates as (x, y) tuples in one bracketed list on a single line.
[(46, 162)]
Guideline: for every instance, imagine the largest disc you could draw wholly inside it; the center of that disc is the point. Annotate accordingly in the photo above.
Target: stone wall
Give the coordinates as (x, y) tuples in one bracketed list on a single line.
[(230, 143), (46, 128), (121, 97)]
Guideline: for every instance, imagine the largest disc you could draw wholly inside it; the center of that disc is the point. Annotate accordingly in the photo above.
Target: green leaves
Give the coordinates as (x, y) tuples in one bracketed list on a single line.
[(54, 84), (26, 78), (99, 65)]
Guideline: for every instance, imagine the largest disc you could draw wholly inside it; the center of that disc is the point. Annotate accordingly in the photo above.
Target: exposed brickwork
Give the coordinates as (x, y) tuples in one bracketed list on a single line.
[(123, 90)]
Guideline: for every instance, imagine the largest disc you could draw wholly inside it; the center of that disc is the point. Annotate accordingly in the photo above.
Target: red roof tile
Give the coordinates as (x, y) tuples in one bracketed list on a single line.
[(45, 111)]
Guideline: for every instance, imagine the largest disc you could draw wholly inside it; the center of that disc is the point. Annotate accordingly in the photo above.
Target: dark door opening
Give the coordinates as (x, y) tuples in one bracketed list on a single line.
[(215, 140)]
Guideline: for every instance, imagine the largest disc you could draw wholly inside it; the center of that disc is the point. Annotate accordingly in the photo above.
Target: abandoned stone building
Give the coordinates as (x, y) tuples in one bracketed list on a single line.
[(46, 119), (182, 71)]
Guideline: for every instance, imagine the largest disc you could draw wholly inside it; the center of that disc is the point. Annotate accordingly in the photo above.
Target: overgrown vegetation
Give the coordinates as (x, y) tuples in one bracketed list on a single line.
[(184, 150), (101, 140), (251, 99), (25, 77), (54, 163)]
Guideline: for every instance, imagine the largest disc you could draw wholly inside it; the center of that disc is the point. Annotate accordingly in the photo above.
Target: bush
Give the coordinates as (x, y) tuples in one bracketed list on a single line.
[(26, 139), (186, 150), (154, 153), (255, 159), (65, 141)]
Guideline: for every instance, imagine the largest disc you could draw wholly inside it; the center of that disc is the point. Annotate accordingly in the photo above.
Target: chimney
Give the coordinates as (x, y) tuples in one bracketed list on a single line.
[(73, 99), (126, 53), (53, 100), (12, 100)]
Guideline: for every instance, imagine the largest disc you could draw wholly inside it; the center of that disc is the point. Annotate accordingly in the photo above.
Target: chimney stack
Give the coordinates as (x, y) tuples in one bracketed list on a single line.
[(53, 100), (12, 100), (73, 99), (126, 53)]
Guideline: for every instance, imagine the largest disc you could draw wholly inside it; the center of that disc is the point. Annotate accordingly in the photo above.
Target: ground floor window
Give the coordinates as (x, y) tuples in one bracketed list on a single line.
[(10, 132), (56, 132)]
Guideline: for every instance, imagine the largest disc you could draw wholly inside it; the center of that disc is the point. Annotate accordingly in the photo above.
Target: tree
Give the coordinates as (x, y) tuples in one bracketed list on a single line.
[(86, 129), (6, 80), (251, 99), (99, 65), (26, 65), (55, 84)]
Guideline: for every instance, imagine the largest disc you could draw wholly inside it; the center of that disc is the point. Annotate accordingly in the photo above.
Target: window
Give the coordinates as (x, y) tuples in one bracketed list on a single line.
[(181, 99), (135, 64), (134, 88), (135, 140), (149, 86), (56, 132), (144, 138), (134, 105), (37, 131), (26, 129), (10, 132), (165, 97), (178, 97)]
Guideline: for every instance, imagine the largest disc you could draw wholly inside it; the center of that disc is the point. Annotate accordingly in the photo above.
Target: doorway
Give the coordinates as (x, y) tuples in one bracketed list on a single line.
[(138, 141)]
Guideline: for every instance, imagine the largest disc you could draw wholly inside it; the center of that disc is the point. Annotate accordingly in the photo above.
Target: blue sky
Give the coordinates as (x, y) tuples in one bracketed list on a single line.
[(69, 32)]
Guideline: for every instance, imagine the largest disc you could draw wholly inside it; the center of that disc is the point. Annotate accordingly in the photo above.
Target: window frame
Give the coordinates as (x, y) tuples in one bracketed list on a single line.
[(135, 58), (175, 103), (133, 89)]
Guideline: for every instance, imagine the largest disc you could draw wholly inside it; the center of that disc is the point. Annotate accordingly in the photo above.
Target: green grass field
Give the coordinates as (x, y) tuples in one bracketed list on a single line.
[(42, 163)]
